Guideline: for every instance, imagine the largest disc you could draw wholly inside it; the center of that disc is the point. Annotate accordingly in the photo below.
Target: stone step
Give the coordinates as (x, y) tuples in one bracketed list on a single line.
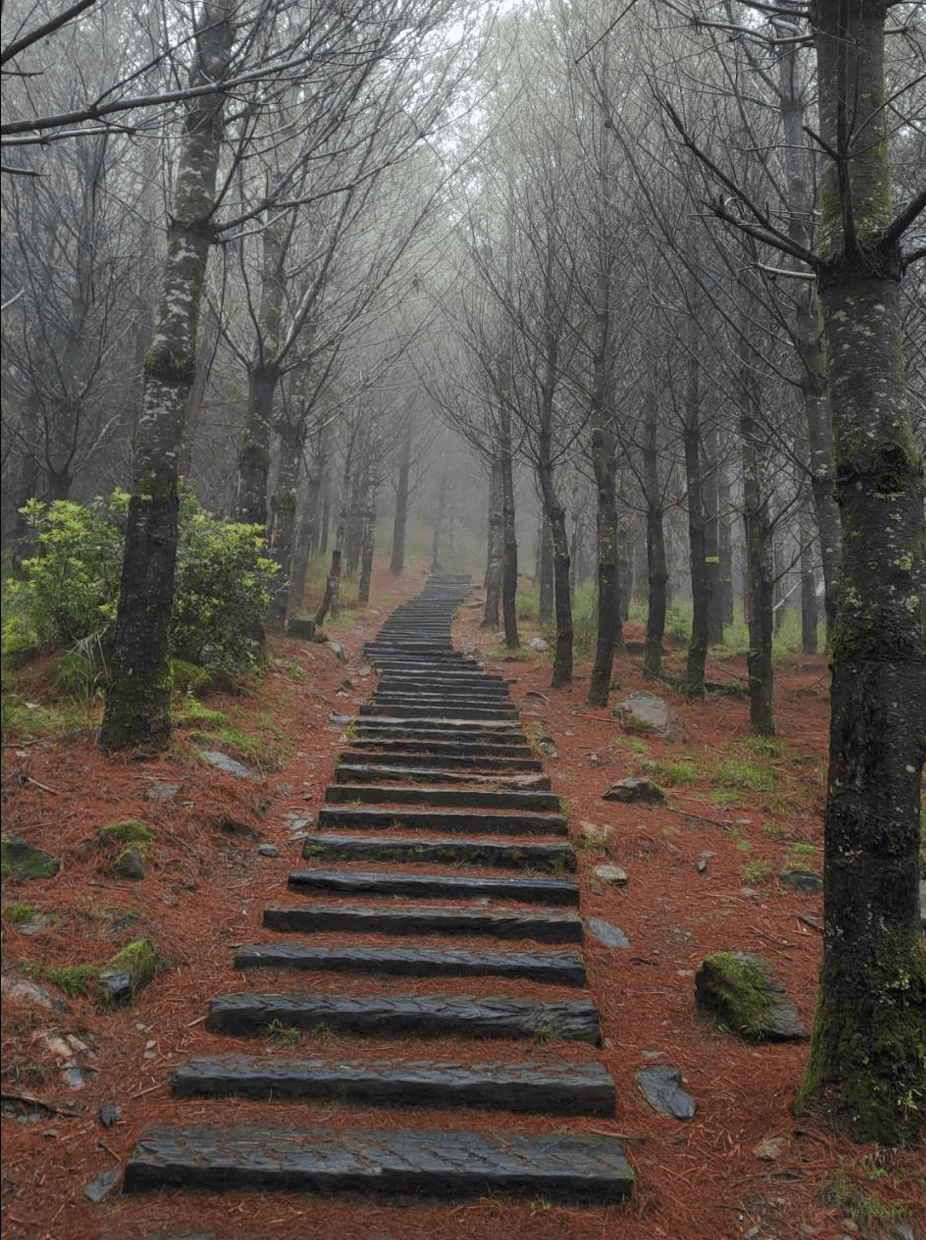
[(546, 968), (435, 748), (361, 818), (527, 800), (423, 921), (551, 1088), (419, 1162), (500, 731), (408, 682), (454, 713), (433, 741), (549, 858), (556, 891), (350, 772), (412, 1016)]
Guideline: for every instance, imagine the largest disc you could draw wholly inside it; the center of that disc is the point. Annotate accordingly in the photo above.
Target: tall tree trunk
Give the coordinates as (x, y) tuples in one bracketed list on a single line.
[(867, 1048), (509, 536), (657, 570), (693, 678), (368, 540), (759, 570), (808, 331), (283, 525), (712, 565), (545, 575), (608, 618), (495, 554), (400, 521), (808, 585), (137, 707)]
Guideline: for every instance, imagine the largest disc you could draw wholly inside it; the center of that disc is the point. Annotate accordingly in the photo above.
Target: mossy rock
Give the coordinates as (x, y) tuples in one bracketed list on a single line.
[(132, 862), (129, 970), (19, 859), (739, 992), (133, 832)]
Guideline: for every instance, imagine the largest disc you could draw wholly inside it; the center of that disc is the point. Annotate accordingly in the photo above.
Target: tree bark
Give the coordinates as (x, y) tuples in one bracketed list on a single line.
[(509, 536), (400, 520), (867, 1048), (759, 570), (283, 525), (657, 570), (367, 539), (495, 554), (137, 707), (693, 678)]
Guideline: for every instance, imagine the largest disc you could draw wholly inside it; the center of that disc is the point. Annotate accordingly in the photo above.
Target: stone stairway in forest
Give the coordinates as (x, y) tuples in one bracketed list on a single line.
[(440, 864)]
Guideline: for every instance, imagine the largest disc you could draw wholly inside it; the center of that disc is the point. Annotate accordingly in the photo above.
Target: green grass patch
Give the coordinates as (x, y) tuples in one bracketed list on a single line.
[(19, 912)]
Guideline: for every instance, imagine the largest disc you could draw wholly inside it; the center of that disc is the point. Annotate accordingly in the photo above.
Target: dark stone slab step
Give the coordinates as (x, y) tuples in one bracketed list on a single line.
[(431, 1164), (417, 1016), (556, 891), (552, 1089), (528, 800), (547, 968), (551, 858), (359, 818), (434, 740), (436, 749), (408, 682), (500, 731), (418, 920), (420, 710), (348, 772)]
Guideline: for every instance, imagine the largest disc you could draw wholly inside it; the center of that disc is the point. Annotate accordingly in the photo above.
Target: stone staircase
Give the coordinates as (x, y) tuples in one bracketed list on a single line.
[(439, 826)]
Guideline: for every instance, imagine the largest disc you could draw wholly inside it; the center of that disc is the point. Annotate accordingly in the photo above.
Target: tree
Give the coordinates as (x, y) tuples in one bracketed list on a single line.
[(137, 707), (868, 1043)]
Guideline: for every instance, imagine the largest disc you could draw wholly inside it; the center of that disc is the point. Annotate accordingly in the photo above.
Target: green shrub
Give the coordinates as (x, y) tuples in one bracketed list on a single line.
[(68, 595)]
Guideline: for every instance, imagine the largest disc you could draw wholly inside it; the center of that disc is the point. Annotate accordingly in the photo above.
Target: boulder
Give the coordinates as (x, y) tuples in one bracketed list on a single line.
[(301, 628), (740, 993), (19, 859), (641, 713), (638, 791)]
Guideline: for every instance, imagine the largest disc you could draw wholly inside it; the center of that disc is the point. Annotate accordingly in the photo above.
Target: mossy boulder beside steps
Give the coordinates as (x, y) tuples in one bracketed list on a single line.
[(741, 994)]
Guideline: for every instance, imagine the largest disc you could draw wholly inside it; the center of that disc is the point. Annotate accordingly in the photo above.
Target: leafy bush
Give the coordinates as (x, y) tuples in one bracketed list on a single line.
[(221, 594), (69, 594)]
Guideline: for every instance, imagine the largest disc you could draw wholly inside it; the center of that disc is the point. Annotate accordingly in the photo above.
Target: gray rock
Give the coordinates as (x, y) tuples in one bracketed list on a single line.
[(267, 850), (639, 791), (605, 933), (216, 758), (99, 1188), (117, 986), (20, 990), (338, 650), (801, 880), (663, 1089), (341, 718), (612, 874), (19, 859), (641, 713), (549, 749), (161, 792), (739, 991), (130, 863), (537, 643), (108, 1115)]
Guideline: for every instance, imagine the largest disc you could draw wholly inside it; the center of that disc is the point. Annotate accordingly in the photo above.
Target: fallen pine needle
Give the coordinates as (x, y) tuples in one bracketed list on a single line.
[(198, 1021), (150, 1090)]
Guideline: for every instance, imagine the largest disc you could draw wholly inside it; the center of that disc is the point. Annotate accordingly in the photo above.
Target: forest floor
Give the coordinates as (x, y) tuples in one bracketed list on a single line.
[(745, 809)]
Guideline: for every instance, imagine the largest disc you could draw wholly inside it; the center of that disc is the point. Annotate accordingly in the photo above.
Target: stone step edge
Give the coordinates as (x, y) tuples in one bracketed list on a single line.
[(409, 1162), (556, 891), (423, 920), (558, 968), (549, 1088)]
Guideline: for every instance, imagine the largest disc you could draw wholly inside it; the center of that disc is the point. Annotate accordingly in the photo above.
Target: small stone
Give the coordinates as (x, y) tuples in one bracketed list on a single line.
[(635, 791), (662, 1087), (703, 860), (611, 874), (104, 1183), (537, 643), (51, 1133), (21, 991), (642, 713), (550, 750), (805, 881), (267, 850), (108, 1115), (605, 933), (338, 650), (335, 718), (216, 758), (161, 792)]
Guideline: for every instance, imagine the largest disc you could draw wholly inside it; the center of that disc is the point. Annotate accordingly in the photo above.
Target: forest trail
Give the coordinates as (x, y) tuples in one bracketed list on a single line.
[(440, 833)]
